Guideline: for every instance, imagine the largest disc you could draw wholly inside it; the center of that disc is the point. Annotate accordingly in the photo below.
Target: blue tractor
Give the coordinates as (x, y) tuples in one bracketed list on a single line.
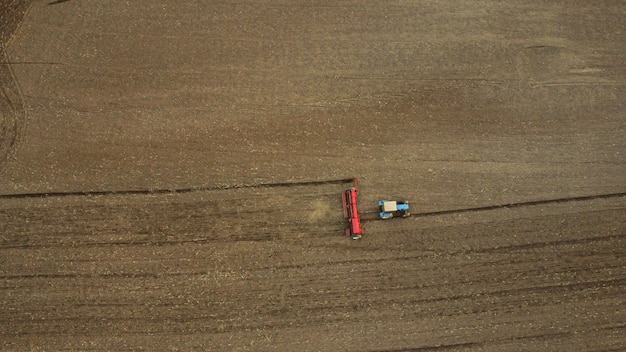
[(391, 208)]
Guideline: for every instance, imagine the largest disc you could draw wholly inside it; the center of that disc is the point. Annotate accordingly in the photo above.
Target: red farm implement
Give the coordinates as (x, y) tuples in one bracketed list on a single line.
[(351, 211)]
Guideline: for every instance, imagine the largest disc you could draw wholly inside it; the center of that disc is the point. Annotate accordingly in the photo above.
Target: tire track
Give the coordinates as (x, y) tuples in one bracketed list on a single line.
[(173, 190), (522, 204)]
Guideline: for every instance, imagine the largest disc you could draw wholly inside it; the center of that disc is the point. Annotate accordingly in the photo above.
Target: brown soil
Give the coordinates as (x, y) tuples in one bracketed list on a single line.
[(12, 119), (159, 197)]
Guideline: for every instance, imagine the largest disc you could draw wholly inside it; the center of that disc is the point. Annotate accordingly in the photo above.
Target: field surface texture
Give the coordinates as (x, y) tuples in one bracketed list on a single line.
[(171, 175)]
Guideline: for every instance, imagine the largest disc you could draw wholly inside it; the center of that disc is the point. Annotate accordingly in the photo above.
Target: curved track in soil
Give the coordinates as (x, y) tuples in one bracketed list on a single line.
[(12, 110)]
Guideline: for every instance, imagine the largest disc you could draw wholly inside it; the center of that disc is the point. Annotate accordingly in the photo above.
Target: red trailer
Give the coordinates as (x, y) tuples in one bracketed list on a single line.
[(351, 211)]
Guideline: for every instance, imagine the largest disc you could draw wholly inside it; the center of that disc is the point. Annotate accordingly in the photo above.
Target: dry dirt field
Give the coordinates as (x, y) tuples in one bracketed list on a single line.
[(171, 171)]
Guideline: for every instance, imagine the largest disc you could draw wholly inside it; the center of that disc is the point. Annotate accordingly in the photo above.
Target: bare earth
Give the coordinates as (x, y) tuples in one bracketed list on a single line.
[(155, 160)]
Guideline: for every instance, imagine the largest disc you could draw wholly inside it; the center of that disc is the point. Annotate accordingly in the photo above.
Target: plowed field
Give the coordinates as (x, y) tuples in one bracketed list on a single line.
[(171, 175)]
